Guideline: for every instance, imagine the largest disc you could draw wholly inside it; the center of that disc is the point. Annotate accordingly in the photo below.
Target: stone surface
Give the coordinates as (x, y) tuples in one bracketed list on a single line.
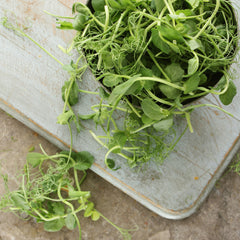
[(217, 219), (165, 235)]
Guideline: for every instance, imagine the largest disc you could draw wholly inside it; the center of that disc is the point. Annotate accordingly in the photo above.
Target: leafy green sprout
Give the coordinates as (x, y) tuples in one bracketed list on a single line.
[(135, 49), (186, 42), (153, 59), (50, 195)]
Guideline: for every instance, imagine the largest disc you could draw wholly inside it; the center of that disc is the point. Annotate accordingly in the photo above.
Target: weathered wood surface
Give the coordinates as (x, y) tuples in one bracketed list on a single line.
[(30, 90)]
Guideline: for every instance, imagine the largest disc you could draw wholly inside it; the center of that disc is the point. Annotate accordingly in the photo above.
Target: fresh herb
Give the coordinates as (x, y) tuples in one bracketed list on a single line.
[(49, 194), (153, 57)]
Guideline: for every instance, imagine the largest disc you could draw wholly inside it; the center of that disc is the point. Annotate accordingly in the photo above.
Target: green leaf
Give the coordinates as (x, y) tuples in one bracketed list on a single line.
[(54, 226), (121, 4), (89, 209), (114, 4), (221, 83), (107, 60), (182, 28), (84, 160), (203, 79), (182, 13), (120, 138), (121, 90), (169, 92), (101, 116), (152, 110), (135, 88), (146, 72), (158, 5), (227, 97), (31, 149), (78, 7), (177, 16), (194, 3), (111, 80), (192, 29), (65, 117), (79, 21), (95, 215), (58, 208), (111, 164), (98, 5), (70, 221), (174, 72), (193, 65), (192, 83), (186, 12), (146, 120), (174, 47), (159, 43), (170, 33), (19, 201), (164, 125), (35, 158), (73, 92), (195, 44)]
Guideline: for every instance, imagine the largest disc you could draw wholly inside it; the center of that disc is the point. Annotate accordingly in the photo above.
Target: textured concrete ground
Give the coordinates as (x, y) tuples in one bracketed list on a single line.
[(217, 219)]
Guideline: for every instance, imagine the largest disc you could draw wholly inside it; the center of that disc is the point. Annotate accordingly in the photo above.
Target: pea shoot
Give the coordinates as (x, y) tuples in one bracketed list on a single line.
[(153, 57), (49, 194)]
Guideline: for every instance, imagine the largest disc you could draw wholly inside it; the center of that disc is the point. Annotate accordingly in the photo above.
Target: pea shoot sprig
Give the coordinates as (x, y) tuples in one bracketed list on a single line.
[(51, 195)]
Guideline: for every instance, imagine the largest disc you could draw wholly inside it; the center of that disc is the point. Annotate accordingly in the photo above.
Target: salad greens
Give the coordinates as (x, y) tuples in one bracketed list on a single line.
[(49, 194), (152, 57)]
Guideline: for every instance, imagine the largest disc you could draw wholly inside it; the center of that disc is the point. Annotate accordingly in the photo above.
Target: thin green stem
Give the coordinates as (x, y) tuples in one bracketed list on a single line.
[(169, 7), (187, 115), (105, 146), (83, 178), (159, 99), (206, 105), (124, 232), (158, 66), (57, 16), (209, 20), (71, 207), (132, 108), (109, 106), (109, 151), (89, 92), (160, 80), (9, 25)]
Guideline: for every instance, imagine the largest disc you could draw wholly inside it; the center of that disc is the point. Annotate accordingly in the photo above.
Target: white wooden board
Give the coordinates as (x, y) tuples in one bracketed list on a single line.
[(30, 90)]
